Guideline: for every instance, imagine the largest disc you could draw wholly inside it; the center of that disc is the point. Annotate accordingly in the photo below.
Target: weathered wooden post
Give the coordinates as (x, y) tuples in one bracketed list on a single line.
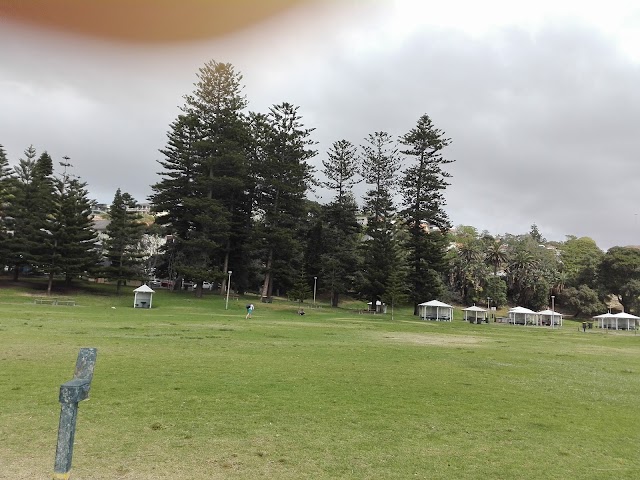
[(71, 393)]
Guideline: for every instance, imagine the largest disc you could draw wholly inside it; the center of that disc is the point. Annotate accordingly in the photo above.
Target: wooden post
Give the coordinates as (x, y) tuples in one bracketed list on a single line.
[(71, 393)]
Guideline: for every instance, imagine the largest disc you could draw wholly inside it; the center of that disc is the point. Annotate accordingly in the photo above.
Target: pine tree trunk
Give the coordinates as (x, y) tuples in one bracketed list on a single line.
[(270, 292), (335, 298), (225, 269), (266, 287)]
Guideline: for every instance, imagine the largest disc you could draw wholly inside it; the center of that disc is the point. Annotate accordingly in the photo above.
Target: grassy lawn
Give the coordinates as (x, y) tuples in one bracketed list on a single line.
[(190, 390)]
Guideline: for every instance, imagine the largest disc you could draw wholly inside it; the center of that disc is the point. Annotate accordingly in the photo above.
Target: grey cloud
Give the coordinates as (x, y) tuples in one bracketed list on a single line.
[(543, 123)]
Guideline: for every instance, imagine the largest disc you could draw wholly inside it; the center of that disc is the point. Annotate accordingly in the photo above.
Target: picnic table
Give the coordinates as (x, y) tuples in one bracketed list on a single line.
[(45, 301), (54, 301)]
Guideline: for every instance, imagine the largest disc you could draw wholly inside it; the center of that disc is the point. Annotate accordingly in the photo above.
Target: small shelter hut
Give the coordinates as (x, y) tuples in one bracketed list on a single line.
[(522, 316), (546, 317), (605, 320), (435, 310), (143, 297), (625, 321), (474, 314)]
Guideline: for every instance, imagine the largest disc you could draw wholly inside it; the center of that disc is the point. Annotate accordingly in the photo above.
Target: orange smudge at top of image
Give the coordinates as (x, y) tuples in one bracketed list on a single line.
[(145, 20)]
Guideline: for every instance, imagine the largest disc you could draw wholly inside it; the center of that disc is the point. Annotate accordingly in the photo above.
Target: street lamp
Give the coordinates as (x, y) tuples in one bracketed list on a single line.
[(553, 309), (488, 308), (226, 306), (315, 284)]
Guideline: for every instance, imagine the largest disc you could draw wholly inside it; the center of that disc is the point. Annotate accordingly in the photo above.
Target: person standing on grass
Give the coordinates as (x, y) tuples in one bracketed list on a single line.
[(250, 308)]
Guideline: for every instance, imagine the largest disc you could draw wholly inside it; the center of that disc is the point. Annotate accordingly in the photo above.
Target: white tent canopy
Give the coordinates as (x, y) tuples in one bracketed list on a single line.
[(547, 316), (522, 316), (618, 321), (143, 297), (604, 319), (474, 313), (435, 310)]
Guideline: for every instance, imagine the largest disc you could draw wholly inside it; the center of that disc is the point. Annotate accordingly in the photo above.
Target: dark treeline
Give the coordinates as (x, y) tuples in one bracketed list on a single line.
[(45, 221), (46, 225), (233, 196), (232, 202)]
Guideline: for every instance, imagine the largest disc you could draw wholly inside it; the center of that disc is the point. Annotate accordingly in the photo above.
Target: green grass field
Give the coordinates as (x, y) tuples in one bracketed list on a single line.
[(189, 390)]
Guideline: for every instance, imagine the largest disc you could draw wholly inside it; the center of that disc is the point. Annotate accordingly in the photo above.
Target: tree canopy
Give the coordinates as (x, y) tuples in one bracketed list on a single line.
[(234, 194)]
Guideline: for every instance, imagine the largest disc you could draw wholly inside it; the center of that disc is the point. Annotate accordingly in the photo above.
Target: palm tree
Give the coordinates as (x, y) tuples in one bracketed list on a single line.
[(561, 282), (520, 265), (521, 271), (469, 252), (466, 266), (496, 255)]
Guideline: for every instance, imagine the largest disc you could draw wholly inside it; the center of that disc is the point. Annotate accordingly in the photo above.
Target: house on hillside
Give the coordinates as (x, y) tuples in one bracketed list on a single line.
[(100, 227)]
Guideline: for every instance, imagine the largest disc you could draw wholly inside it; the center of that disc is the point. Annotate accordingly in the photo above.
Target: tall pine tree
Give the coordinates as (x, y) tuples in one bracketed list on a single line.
[(342, 234), (423, 185), (78, 239), (380, 170), (6, 198), (341, 168), (29, 210), (282, 178), (122, 247), (204, 189)]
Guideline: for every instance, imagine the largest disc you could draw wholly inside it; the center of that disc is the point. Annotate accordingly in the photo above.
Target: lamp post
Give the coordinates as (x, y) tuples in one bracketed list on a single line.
[(553, 309), (226, 306), (315, 284), (488, 308)]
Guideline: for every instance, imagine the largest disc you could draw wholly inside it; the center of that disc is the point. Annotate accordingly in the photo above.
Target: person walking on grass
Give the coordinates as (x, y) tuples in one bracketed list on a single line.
[(250, 308)]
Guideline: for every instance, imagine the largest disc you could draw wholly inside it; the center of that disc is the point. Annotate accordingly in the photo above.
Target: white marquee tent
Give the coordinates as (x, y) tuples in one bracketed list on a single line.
[(545, 317), (522, 316), (618, 321), (473, 314), (630, 321), (604, 319), (435, 310)]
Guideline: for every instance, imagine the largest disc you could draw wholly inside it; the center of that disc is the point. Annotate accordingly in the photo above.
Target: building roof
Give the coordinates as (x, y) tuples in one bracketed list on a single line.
[(144, 289), (474, 309), (434, 303)]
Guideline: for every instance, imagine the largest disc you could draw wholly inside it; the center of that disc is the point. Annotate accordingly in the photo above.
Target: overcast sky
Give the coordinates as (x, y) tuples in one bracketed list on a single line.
[(542, 103)]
